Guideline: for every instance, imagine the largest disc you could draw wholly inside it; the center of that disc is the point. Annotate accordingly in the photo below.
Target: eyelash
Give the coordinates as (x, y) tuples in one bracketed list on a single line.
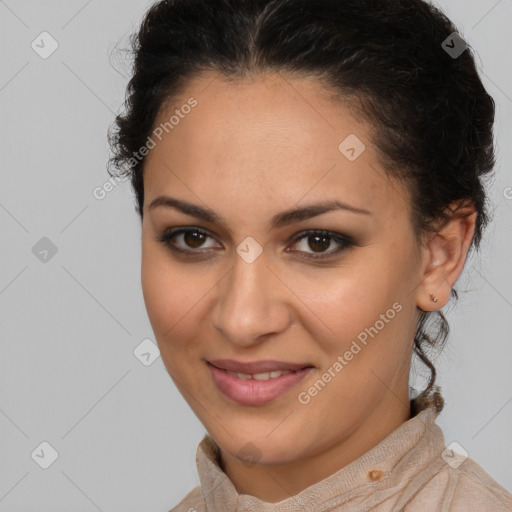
[(344, 241)]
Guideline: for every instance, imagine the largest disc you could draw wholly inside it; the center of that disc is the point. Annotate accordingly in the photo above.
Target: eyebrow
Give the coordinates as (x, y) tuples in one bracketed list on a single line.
[(279, 220)]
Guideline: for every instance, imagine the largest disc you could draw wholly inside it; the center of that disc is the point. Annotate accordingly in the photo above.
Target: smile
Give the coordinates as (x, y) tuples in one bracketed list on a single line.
[(260, 376), (255, 388)]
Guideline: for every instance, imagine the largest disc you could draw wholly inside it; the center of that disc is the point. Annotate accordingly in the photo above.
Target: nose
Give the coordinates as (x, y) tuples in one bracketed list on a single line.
[(251, 303)]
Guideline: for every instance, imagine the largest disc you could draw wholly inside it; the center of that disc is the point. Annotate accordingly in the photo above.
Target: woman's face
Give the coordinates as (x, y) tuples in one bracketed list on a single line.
[(259, 283)]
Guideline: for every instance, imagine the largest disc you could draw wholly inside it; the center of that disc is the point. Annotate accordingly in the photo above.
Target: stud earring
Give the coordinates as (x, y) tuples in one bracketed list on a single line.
[(433, 298)]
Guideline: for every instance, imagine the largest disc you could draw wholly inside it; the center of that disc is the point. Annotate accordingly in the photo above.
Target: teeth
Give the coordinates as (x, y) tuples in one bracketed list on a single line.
[(260, 376), (278, 373), (243, 376), (264, 376)]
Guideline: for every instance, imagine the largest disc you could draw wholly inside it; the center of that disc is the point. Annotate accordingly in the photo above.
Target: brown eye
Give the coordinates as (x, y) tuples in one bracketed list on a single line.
[(319, 243), (194, 239), (315, 244), (192, 242), (188, 241)]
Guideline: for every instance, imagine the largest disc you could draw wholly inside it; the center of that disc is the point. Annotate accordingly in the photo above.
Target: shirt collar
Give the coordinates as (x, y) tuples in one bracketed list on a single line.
[(412, 443)]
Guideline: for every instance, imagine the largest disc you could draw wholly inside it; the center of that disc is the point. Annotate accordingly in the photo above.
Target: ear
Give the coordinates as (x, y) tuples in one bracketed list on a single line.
[(444, 255)]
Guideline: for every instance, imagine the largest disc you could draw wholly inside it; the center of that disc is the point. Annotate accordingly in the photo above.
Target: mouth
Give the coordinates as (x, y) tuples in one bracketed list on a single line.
[(258, 368), (257, 382)]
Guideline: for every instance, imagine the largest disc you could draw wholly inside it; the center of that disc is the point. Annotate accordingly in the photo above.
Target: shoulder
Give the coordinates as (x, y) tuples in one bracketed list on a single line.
[(475, 488), (192, 502), (464, 488)]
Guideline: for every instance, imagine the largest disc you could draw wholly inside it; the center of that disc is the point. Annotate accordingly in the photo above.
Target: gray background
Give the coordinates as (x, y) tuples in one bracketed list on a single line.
[(126, 439)]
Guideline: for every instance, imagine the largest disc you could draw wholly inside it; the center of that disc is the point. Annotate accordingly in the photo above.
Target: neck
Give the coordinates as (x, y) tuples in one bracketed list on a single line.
[(272, 483)]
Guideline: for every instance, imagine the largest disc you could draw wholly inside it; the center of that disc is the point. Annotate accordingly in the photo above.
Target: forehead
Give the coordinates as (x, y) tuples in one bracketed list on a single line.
[(269, 138)]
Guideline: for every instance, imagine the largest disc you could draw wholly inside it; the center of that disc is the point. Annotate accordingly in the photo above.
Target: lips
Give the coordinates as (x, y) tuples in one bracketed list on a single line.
[(257, 389), (257, 366)]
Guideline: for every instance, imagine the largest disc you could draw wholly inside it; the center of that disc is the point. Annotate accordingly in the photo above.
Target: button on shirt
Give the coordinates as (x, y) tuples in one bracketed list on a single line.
[(410, 470)]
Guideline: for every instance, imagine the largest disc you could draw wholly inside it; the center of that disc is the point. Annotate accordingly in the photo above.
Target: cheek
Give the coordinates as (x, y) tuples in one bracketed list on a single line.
[(175, 298), (164, 290), (357, 312), (369, 334), (343, 300)]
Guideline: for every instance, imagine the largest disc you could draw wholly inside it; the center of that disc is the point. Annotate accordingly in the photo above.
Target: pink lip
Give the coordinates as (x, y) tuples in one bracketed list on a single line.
[(252, 391)]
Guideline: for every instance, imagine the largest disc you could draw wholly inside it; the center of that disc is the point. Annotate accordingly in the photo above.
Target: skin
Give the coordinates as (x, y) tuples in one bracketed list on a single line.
[(249, 150)]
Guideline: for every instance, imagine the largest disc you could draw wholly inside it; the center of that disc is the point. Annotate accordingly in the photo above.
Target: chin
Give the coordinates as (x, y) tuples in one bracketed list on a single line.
[(258, 449)]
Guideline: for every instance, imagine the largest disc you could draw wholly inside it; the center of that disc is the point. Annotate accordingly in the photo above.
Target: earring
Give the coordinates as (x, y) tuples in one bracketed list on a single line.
[(433, 298)]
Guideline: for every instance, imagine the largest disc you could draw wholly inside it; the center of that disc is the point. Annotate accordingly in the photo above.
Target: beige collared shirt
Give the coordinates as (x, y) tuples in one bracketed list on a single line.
[(410, 470)]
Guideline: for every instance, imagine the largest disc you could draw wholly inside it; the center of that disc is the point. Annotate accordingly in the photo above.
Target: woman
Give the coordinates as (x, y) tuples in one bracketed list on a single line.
[(309, 177)]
